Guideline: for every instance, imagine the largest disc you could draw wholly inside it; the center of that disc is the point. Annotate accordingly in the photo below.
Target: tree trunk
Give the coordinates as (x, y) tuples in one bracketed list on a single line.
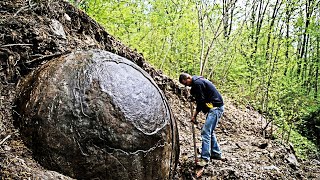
[(261, 15), (225, 17), (274, 14), (228, 7), (289, 133), (206, 56), (288, 14), (317, 69), (302, 63), (201, 32)]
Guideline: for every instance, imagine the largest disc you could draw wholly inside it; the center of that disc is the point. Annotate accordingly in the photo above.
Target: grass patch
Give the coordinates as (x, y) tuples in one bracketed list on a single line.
[(305, 149)]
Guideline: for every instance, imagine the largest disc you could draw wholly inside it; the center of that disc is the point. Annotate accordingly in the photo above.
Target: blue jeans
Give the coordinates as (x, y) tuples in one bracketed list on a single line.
[(209, 139)]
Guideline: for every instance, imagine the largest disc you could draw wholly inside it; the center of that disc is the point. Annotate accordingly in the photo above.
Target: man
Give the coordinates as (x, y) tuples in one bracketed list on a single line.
[(210, 102)]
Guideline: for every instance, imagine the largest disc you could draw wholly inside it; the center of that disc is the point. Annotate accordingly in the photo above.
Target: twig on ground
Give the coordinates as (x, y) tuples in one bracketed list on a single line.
[(263, 129), (47, 56), (24, 7), (239, 146), (6, 138), (9, 45)]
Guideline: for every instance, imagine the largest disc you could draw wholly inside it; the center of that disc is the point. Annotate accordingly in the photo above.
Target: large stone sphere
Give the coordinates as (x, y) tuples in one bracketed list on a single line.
[(93, 114)]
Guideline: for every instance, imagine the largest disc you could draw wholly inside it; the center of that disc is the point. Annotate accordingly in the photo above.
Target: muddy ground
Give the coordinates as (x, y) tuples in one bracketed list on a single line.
[(31, 35)]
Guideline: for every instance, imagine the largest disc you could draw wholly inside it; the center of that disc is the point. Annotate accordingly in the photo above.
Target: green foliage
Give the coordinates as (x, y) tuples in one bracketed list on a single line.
[(309, 124), (164, 31), (263, 61), (304, 147)]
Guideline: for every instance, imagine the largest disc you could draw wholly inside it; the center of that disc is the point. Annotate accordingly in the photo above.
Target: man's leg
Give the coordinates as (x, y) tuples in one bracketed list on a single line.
[(206, 135), (215, 150)]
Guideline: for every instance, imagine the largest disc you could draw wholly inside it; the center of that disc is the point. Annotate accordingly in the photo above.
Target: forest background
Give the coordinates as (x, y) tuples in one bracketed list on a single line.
[(263, 54)]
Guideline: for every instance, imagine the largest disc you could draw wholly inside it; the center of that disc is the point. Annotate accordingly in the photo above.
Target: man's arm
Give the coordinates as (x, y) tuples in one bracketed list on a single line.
[(200, 97), (194, 117)]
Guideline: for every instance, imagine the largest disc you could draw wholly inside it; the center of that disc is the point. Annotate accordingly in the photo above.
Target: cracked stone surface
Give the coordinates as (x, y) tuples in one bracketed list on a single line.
[(94, 114)]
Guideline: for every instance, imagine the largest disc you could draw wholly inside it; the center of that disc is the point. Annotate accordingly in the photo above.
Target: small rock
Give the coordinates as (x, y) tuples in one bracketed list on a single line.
[(315, 162), (271, 155), (272, 167), (233, 159), (293, 162), (57, 29), (7, 148), (223, 142), (263, 145), (67, 17), (225, 131)]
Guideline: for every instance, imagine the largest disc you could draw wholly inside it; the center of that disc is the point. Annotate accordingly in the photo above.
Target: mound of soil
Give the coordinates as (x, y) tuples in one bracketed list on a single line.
[(34, 32), (248, 154)]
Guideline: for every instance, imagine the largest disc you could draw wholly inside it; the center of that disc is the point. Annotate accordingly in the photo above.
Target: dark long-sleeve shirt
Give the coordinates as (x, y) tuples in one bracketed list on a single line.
[(205, 92)]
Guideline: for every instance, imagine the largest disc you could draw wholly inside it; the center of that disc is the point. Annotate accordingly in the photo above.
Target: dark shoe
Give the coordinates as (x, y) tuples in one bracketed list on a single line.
[(216, 156), (202, 162)]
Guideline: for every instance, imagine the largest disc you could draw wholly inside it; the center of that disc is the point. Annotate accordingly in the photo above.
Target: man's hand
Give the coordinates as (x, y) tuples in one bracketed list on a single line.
[(191, 99), (194, 120)]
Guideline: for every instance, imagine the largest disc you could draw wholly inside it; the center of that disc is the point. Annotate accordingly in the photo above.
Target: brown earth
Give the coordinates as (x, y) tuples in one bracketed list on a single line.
[(31, 35)]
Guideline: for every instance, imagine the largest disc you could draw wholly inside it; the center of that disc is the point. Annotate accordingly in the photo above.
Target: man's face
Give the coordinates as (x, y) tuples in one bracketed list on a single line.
[(187, 82)]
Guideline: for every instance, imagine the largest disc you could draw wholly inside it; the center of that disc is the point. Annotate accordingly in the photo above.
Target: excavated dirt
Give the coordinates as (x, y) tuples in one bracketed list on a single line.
[(34, 32)]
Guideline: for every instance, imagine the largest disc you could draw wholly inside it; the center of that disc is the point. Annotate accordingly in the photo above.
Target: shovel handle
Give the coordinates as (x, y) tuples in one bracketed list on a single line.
[(194, 137)]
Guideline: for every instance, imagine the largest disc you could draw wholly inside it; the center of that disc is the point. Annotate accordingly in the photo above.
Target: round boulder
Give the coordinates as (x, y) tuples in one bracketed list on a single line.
[(96, 115)]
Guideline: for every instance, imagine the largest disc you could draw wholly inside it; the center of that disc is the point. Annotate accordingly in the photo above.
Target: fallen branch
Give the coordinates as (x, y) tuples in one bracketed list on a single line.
[(24, 8), (5, 139), (239, 146), (263, 129), (47, 56), (9, 45)]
